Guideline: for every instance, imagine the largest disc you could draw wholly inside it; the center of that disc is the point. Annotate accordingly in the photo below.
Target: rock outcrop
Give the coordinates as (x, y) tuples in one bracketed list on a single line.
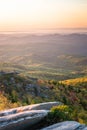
[(21, 120), (67, 125), (22, 117)]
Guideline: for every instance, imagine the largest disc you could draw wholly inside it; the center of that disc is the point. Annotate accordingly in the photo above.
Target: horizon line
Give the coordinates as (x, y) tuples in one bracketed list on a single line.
[(82, 28)]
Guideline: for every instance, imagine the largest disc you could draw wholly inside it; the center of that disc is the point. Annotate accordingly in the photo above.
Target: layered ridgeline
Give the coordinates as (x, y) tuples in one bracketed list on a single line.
[(43, 68), (52, 56), (18, 90)]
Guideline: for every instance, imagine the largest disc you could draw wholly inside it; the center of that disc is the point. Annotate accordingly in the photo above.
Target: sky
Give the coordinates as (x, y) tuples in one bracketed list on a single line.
[(26, 15)]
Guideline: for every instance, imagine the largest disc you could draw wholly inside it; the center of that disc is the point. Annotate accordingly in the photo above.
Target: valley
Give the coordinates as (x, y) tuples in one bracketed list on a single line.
[(52, 56), (43, 68)]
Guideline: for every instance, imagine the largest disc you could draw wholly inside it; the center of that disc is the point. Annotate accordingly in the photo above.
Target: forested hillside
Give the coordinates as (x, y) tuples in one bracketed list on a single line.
[(17, 90)]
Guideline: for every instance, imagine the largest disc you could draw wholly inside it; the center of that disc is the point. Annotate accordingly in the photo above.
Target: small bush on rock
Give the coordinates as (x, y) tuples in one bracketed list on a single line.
[(59, 114)]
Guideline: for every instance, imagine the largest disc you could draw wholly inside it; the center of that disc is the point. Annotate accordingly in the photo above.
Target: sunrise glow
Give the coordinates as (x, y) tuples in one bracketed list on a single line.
[(25, 15)]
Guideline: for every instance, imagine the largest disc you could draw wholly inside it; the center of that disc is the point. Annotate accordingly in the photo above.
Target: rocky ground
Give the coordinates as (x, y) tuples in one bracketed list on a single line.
[(23, 117), (28, 117)]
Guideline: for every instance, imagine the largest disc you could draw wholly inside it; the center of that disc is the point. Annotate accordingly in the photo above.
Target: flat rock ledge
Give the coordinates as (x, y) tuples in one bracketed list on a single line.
[(23, 117), (67, 125)]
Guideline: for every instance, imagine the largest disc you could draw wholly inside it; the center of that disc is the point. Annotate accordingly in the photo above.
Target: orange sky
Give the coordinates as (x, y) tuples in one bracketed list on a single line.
[(26, 15)]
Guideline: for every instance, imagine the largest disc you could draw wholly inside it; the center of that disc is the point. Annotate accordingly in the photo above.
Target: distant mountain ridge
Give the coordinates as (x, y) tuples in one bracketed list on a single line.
[(48, 55), (60, 44)]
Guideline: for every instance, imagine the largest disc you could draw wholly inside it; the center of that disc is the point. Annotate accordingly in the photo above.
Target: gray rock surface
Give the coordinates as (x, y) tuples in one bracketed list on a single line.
[(22, 117), (41, 106), (85, 128), (67, 125), (44, 106), (21, 120)]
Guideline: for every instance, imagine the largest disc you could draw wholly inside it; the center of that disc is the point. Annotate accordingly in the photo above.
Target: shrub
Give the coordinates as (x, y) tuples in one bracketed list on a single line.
[(58, 114)]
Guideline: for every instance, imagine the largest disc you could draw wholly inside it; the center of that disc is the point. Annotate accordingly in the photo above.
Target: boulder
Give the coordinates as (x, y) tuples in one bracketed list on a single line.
[(66, 125), (85, 128), (22, 117), (19, 121), (40, 106), (44, 106)]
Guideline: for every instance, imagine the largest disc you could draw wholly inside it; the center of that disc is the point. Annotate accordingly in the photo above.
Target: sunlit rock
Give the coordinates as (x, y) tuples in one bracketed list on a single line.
[(22, 117), (67, 125)]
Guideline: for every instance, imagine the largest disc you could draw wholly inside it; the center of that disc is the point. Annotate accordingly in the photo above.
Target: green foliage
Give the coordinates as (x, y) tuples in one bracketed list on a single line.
[(58, 114), (72, 93), (6, 104), (14, 96)]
